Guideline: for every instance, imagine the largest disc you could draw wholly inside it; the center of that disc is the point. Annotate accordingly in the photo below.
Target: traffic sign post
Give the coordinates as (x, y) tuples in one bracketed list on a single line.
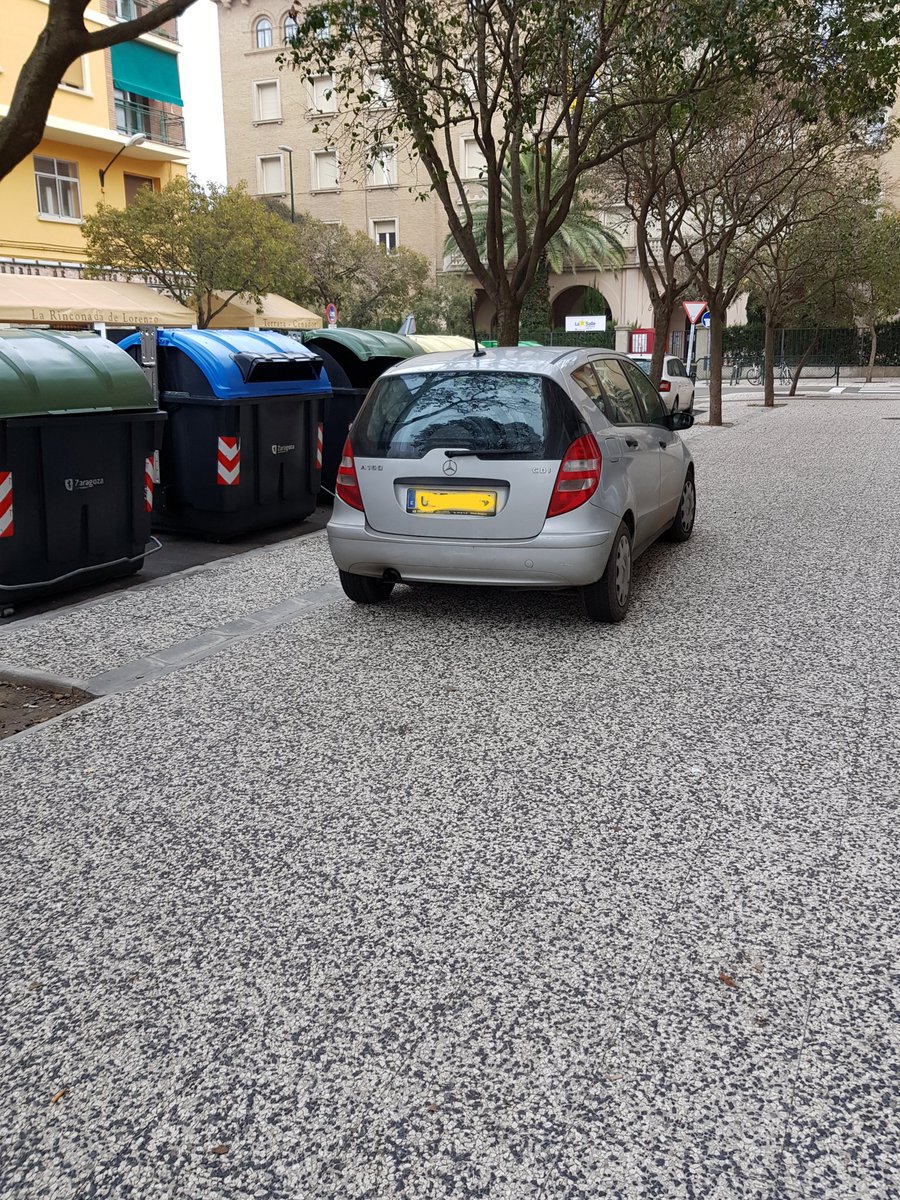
[(693, 310)]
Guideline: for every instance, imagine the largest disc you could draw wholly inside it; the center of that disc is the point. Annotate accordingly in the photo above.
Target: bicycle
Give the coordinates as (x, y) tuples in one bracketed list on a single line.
[(755, 373)]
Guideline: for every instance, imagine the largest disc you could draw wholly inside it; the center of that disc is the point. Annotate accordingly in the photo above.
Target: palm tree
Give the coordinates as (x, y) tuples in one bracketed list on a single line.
[(582, 241)]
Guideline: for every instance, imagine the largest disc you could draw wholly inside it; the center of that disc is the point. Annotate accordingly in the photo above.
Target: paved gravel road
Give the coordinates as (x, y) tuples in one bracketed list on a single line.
[(464, 897)]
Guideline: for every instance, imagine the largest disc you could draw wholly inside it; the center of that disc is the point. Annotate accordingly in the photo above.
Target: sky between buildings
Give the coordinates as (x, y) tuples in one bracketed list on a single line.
[(201, 89)]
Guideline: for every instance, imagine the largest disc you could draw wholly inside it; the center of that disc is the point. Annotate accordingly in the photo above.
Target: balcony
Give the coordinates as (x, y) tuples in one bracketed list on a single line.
[(143, 116), (130, 10)]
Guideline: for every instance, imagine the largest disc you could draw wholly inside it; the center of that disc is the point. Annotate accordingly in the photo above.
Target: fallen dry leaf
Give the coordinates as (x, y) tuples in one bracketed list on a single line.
[(59, 1095), (223, 1149), (35, 985), (725, 978), (431, 1107)]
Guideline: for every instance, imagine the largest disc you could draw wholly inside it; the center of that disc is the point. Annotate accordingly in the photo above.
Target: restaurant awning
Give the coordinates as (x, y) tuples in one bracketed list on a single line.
[(277, 313), (46, 300)]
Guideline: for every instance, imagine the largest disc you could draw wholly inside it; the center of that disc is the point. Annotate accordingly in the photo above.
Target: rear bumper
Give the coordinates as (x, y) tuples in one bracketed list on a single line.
[(550, 560)]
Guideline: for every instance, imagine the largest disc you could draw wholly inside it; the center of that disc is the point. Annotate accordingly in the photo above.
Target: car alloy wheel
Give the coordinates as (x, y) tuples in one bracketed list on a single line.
[(623, 570), (688, 505)]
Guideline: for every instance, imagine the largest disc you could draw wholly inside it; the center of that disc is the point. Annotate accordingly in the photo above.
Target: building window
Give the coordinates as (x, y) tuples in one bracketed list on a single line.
[(290, 27), (326, 174), (380, 90), (75, 76), (270, 173), (126, 10), (135, 184), (383, 166), (267, 99), (263, 31), (474, 164), (384, 234), (323, 97), (58, 189), (132, 112)]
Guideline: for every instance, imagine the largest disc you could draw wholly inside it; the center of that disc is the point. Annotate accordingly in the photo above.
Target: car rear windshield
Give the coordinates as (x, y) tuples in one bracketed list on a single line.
[(487, 412)]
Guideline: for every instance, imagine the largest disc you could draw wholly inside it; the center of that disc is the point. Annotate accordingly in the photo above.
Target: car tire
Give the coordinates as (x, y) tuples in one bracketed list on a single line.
[(364, 589), (683, 526), (607, 599)]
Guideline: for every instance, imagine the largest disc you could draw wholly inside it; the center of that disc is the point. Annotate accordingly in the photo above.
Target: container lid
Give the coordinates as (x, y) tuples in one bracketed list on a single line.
[(245, 363), (436, 343), (53, 372), (364, 343)]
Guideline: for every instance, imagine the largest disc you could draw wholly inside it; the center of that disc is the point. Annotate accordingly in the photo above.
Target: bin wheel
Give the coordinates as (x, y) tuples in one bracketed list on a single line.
[(363, 589)]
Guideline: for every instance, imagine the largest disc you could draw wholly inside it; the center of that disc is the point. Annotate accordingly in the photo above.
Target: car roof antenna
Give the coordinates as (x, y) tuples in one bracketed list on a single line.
[(479, 353)]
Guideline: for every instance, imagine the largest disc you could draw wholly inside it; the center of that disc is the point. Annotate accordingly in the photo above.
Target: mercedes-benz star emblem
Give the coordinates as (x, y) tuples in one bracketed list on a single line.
[(450, 467)]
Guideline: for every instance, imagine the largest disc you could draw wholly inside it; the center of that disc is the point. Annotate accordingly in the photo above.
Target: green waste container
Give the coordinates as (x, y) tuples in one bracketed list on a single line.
[(353, 359), (79, 430)]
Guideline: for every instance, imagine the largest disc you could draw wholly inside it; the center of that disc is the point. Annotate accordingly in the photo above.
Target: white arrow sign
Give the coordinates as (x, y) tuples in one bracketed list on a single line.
[(693, 309)]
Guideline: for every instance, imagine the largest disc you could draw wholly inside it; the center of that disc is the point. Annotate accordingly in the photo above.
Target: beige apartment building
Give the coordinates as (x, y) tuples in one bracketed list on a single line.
[(281, 127)]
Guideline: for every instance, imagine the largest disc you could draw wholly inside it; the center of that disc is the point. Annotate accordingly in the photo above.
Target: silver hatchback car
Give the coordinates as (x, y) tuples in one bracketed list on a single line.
[(541, 467)]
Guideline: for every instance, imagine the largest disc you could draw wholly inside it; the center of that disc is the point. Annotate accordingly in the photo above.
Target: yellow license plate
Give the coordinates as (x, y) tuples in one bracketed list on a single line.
[(469, 504)]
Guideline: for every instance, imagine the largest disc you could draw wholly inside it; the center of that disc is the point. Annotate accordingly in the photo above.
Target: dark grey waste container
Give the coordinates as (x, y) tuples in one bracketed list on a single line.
[(79, 428)]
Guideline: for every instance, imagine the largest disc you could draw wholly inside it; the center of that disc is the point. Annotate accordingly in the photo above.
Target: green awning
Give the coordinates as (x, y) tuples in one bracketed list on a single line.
[(146, 71)]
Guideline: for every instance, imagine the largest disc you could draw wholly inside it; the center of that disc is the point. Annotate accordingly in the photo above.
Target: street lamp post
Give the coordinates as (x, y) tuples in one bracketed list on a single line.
[(135, 140), (289, 151)]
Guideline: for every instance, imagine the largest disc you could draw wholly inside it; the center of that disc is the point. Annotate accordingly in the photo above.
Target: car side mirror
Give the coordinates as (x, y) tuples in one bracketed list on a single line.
[(680, 420)]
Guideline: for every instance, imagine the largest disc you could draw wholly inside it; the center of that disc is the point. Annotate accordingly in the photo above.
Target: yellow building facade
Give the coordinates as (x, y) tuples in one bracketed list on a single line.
[(126, 99)]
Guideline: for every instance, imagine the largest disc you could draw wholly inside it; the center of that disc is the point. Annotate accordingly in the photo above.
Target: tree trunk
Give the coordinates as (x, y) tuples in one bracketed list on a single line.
[(716, 355), (508, 323), (873, 350), (804, 359), (534, 316), (769, 361), (662, 315)]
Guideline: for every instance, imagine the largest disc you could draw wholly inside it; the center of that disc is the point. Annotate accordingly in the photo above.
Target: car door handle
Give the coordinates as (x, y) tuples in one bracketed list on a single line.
[(632, 443)]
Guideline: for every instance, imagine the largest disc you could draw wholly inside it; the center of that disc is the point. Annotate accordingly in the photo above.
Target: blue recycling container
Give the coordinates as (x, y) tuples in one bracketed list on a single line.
[(242, 449)]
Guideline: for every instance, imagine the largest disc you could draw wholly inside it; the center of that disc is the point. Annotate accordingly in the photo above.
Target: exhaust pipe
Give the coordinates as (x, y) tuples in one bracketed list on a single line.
[(391, 576)]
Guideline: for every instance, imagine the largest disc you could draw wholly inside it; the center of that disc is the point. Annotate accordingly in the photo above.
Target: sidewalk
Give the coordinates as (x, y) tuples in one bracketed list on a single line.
[(462, 896)]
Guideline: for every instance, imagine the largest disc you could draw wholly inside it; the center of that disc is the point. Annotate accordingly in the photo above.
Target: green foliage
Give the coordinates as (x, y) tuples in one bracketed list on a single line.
[(202, 245), (444, 306), (876, 296), (581, 241), (846, 345), (334, 264)]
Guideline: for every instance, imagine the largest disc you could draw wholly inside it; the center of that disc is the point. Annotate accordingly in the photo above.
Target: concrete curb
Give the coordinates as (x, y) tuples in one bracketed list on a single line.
[(42, 680)]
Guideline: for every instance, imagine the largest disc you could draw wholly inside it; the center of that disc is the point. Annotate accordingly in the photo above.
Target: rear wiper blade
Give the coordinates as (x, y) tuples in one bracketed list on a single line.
[(487, 453)]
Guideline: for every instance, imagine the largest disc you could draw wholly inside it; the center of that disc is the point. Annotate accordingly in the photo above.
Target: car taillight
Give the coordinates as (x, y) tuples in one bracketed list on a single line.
[(579, 476), (665, 386), (347, 483)]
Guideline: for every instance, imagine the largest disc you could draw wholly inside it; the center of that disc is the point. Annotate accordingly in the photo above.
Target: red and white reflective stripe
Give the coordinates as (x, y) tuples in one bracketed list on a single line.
[(6, 504), (319, 443), (229, 469), (149, 477)]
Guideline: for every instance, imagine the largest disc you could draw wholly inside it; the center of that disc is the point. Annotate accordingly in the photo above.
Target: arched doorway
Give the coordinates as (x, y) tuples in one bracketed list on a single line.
[(579, 300)]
